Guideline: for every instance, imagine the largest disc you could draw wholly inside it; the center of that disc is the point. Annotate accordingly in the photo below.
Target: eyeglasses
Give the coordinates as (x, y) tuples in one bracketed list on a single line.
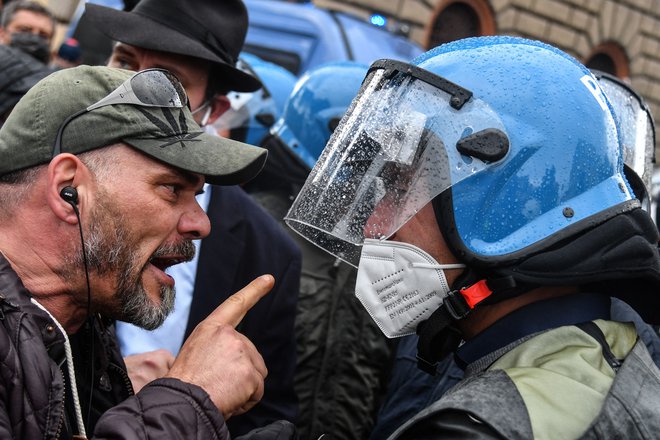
[(147, 88)]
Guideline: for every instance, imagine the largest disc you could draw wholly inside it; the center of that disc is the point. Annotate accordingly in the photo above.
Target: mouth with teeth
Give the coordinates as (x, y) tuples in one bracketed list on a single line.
[(169, 255), (163, 263)]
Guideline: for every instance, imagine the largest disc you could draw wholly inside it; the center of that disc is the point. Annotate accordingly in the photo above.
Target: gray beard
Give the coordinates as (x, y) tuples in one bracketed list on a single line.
[(109, 247), (138, 309)]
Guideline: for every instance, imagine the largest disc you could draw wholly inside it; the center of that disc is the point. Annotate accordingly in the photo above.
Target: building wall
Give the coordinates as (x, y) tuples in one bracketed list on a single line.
[(579, 27), (63, 11)]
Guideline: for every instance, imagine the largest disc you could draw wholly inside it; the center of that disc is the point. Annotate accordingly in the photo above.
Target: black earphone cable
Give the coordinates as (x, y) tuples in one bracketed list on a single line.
[(89, 305)]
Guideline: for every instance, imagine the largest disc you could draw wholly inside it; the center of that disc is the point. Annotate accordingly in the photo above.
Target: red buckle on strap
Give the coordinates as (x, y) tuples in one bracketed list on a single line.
[(476, 293)]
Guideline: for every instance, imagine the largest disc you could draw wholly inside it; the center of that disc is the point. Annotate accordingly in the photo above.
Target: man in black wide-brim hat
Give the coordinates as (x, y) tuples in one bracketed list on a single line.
[(200, 42)]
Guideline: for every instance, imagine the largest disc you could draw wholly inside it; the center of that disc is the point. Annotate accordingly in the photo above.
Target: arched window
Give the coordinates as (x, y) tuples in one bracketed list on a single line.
[(456, 19), (610, 58)]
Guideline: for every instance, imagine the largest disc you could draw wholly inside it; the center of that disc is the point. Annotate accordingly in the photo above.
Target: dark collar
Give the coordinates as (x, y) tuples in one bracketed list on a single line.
[(534, 318), (12, 291)]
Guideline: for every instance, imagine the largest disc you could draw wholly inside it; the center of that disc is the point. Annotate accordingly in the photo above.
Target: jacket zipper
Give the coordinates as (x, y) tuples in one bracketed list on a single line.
[(124, 375)]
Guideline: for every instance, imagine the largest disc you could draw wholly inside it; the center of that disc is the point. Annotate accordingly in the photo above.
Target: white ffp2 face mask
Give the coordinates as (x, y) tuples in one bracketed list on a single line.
[(400, 285)]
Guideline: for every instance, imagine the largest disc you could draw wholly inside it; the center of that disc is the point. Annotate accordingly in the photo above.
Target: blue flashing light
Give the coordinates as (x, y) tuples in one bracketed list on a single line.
[(378, 20)]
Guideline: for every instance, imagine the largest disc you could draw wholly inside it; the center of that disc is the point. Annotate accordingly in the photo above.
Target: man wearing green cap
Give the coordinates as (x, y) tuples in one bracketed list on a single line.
[(108, 162), (199, 41)]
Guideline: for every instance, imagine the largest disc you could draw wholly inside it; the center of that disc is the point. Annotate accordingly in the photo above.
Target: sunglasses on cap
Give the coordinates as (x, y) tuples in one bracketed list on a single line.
[(147, 88)]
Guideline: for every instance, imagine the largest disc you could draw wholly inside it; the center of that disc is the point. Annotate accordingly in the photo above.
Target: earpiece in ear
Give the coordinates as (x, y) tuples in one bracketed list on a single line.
[(70, 195)]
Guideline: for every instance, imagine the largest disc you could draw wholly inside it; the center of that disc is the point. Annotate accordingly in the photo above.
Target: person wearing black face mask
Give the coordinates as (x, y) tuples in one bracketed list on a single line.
[(32, 44), (29, 27)]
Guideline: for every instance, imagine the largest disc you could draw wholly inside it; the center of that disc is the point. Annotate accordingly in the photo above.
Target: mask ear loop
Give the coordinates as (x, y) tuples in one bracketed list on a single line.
[(207, 113), (205, 118)]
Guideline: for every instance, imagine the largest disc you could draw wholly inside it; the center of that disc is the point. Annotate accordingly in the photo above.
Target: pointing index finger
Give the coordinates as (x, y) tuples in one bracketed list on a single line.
[(234, 308)]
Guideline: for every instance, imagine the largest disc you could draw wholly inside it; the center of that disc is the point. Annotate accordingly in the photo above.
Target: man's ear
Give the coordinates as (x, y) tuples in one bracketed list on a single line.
[(66, 170), (219, 105)]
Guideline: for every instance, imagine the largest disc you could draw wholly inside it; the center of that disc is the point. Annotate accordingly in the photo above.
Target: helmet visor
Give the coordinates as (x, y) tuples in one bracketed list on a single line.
[(392, 153), (635, 125)]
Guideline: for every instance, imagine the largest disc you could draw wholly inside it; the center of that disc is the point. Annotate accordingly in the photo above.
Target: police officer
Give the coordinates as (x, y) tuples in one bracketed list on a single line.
[(480, 192)]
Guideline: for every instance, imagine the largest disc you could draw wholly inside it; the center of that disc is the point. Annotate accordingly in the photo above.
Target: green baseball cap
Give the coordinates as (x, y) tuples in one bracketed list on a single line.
[(164, 133)]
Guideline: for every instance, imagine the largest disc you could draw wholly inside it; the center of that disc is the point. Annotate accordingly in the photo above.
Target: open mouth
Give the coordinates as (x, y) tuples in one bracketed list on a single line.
[(170, 254), (163, 263)]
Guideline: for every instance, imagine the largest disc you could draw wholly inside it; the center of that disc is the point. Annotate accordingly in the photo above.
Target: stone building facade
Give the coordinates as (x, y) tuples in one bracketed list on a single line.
[(621, 37)]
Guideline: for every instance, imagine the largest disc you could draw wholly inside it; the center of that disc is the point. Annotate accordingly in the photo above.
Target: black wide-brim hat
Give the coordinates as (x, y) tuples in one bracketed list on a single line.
[(208, 29)]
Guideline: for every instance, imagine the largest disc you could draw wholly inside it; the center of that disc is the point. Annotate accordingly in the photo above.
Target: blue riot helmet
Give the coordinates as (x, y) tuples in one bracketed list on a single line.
[(278, 81), (513, 141), (251, 115), (315, 107), (637, 133)]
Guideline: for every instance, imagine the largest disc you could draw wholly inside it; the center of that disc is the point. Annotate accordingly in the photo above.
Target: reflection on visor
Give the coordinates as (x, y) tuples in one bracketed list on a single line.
[(634, 124), (393, 152)]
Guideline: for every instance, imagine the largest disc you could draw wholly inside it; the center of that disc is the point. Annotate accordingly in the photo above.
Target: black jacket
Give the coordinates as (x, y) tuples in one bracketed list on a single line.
[(244, 243), (33, 383)]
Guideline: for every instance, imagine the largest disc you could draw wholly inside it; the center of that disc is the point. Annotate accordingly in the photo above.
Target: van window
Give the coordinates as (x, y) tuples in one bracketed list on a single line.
[(289, 60)]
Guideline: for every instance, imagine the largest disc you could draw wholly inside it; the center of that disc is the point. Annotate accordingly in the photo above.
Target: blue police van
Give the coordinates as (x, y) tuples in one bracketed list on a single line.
[(300, 36), (297, 36)]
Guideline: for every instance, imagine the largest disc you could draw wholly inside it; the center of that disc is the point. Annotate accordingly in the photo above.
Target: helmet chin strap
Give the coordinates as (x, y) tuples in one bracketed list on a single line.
[(438, 335)]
